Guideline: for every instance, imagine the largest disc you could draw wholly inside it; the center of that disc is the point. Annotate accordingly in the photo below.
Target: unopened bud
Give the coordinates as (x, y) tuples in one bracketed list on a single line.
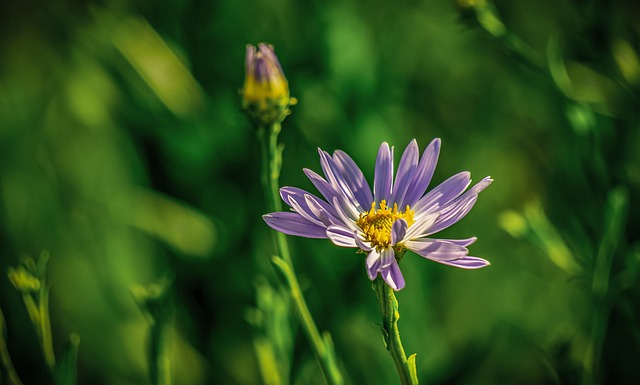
[(265, 95)]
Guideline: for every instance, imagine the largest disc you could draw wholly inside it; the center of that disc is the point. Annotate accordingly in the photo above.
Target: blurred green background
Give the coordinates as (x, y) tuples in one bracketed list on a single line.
[(124, 154)]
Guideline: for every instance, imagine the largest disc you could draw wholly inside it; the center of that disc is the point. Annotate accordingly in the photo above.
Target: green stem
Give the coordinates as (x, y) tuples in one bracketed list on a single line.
[(271, 164), (45, 326), (5, 358), (615, 219), (38, 311), (157, 305), (160, 352), (488, 17), (390, 316), (160, 306)]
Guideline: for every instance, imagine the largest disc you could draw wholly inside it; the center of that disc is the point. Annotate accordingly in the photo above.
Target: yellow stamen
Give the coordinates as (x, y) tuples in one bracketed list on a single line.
[(376, 223)]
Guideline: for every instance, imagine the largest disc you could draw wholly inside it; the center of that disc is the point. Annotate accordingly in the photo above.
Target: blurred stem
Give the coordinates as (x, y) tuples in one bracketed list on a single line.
[(267, 361), (615, 219), (271, 164), (390, 316), (157, 304), (38, 309), (160, 344), (67, 366), (159, 348), (32, 310), (45, 326), (487, 16), (5, 358)]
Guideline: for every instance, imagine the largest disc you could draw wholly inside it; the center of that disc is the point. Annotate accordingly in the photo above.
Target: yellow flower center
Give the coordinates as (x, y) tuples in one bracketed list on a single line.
[(376, 223)]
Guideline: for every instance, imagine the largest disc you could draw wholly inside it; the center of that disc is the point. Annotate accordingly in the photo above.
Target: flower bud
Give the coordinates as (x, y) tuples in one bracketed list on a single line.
[(23, 280), (265, 95)]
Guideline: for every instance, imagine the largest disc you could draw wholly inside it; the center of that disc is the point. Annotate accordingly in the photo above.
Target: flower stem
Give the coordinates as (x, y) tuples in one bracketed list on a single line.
[(45, 327), (157, 304), (617, 208), (271, 164), (390, 316), (6, 365)]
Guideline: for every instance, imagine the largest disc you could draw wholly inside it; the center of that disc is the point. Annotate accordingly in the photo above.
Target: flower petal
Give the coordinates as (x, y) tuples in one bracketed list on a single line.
[(390, 271), (330, 193), (341, 236), (325, 188), (305, 214), (373, 264), (423, 174), (461, 242), (456, 210), (250, 61), (322, 210), (294, 224), (436, 249), (422, 227), (467, 263), (383, 175), (354, 178), (347, 218), (483, 184), (444, 192), (405, 174), (398, 231), (387, 256), (337, 179), (267, 50), (301, 196), (362, 243)]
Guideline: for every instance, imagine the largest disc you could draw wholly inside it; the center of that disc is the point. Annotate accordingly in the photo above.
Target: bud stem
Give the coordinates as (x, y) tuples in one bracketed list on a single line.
[(271, 165)]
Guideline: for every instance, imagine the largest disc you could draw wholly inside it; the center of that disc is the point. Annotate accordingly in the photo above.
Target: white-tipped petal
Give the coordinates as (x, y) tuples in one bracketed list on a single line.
[(341, 236)]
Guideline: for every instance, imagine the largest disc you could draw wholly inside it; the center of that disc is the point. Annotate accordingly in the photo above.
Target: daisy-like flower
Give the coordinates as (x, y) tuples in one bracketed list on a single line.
[(395, 217)]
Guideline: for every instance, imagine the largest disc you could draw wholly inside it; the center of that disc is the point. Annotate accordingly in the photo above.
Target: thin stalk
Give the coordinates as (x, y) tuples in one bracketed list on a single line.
[(160, 348), (5, 358), (390, 316), (271, 164), (160, 306), (44, 326), (38, 311), (615, 220), (157, 305)]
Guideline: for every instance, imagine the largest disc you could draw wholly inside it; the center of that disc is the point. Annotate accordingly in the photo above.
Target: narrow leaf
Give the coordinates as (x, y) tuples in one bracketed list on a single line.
[(413, 370)]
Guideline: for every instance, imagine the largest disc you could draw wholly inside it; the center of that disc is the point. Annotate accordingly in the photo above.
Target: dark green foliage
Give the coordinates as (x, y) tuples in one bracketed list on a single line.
[(124, 152)]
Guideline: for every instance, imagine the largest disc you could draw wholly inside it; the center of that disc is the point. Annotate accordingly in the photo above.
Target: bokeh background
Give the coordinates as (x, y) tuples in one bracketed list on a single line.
[(124, 155)]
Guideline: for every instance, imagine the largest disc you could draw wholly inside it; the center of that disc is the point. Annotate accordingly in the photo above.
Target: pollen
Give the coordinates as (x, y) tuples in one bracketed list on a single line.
[(376, 223)]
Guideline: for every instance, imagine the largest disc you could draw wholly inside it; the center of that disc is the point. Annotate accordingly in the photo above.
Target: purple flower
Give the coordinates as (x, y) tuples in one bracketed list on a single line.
[(395, 217)]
